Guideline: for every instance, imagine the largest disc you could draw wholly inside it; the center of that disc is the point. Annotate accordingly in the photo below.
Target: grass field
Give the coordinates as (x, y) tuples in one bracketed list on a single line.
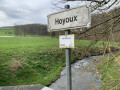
[(7, 32), (110, 69), (28, 43), (25, 60), (37, 60)]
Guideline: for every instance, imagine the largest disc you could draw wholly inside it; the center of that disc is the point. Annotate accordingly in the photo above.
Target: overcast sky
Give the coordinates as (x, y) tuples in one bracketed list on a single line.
[(14, 12), (18, 12)]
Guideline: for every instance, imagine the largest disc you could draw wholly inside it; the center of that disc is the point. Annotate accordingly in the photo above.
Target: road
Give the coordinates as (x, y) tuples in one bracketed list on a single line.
[(84, 75)]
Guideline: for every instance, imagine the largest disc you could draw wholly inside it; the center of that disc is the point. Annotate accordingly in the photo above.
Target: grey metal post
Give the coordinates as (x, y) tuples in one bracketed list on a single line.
[(68, 62)]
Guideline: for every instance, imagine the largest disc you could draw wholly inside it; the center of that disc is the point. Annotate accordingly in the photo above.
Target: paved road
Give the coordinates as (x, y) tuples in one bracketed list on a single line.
[(85, 78), (84, 75), (25, 87)]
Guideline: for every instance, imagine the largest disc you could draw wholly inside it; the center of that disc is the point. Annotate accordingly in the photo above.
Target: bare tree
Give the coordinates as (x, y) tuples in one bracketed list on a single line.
[(96, 4), (105, 25), (105, 22), (31, 29)]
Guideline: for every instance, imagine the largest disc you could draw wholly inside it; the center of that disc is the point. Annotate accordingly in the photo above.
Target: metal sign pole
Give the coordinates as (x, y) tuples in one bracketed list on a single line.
[(68, 61)]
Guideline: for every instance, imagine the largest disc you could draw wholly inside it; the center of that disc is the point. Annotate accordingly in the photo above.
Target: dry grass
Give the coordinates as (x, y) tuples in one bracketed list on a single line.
[(15, 65)]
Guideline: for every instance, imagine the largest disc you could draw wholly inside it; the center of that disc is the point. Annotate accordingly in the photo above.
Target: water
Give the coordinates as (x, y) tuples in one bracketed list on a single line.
[(7, 36), (84, 75), (16, 36)]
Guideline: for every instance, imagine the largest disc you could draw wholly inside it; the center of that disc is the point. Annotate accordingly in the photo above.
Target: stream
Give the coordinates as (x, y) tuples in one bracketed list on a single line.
[(84, 75), (7, 36)]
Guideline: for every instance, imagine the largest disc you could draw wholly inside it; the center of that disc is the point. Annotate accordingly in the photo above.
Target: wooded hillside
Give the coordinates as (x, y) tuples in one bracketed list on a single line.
[(31, 29), (105, 25)]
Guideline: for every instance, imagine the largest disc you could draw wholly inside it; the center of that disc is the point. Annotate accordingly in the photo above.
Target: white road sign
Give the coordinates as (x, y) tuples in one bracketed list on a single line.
[(66, 41), (78, 17)]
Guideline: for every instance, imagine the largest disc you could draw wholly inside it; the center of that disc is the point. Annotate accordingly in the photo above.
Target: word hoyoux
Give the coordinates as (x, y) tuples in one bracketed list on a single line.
[(65, 20)]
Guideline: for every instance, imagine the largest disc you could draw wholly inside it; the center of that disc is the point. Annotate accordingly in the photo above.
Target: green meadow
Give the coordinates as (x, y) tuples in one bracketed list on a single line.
[(38, 60), (28, 43), (28, 60), (6, 32)]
